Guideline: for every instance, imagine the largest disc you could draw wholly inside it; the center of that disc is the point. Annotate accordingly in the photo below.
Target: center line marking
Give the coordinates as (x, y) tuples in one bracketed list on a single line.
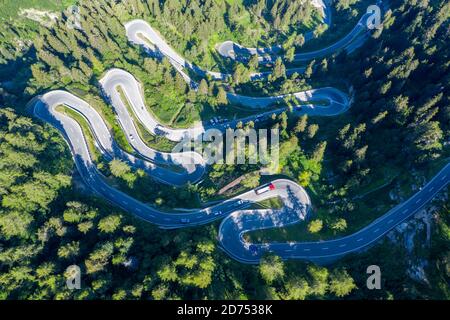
[(326, 248), (360, 239), (376, 230), (342, 245), (405, 211), (390, 221)]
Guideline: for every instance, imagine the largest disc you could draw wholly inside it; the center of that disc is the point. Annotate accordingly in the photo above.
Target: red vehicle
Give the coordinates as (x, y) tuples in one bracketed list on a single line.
[(265, 189)]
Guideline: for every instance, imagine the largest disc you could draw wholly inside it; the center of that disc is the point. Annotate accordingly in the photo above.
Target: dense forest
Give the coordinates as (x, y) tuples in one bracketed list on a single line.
[(395, 135)]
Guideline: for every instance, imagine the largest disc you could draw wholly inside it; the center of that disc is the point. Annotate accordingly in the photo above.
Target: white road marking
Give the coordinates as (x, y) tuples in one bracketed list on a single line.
[(431, 189), (418, 200), (359, 240), (306, 249), (390, 221), (376, 230), (443, 178), (326, 248), (405, 211), (342, 245)]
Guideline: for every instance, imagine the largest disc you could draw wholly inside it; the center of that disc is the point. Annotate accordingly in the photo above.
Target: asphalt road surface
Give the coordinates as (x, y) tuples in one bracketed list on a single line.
[(173, 169), (235, 51), (141, 33), (350, 42)]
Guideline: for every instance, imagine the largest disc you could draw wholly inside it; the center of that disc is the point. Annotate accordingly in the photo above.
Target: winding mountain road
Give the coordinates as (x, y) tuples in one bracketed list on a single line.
[(124, 93), (141, 33), (235, 51), (350, 42)]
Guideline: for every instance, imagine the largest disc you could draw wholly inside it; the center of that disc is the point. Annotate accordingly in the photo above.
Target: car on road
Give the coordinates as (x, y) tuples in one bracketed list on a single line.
[(265, 189), (159, 130)]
